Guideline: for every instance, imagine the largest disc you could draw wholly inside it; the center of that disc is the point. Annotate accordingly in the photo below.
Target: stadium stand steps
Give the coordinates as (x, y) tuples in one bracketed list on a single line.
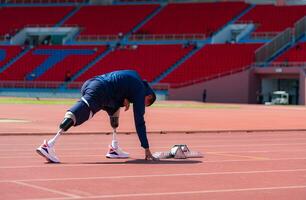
[(112, 19), (85, 68), (295, 53), (57, 56), (70, 14), (190, 18), (149, 60), (279, 53), (266, 16), (234, 19), (13, 60), (212, 61), (144, 21), (177, 64), (8, 52)]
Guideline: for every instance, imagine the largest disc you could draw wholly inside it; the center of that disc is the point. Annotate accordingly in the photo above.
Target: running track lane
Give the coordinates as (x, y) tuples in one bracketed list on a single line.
[(236, 166)]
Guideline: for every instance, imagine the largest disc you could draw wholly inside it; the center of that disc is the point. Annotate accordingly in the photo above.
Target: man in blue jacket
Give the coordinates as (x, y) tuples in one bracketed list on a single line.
[(107, 92)]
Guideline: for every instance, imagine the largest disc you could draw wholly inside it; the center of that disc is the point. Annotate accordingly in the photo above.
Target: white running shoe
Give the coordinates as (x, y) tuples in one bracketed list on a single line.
[(47, 152), (116, 153)]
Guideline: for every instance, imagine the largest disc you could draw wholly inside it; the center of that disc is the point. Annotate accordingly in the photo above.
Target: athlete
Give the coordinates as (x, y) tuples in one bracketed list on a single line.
[(107, 92)]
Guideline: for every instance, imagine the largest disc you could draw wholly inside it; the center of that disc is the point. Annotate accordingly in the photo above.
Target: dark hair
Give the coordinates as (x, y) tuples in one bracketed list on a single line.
[(152, 100), (149, 91)]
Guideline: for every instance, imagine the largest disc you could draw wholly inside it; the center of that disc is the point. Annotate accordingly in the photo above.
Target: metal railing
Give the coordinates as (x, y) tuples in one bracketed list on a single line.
[(37, 26), (48, 25), (143, 37), (300, 28), (280, 64), (244, 21), (158, 86), (30, 84), (42, 1), (89, 38), (263, 53), (161, 86), (264, 35), (58, 84), (258, 35)]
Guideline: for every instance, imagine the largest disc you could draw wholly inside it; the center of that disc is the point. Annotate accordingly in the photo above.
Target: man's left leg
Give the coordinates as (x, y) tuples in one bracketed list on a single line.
[(75, 116), (114, 151)]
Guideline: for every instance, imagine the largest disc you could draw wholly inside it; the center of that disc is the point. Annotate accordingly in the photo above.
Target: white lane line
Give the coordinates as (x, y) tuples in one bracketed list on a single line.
[(122, 163), (164, 147), (46, 189), (182, 193), (157, 175)]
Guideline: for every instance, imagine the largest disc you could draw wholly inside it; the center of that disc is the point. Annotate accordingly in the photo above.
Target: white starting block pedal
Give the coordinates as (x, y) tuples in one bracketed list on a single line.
[(178, 151)]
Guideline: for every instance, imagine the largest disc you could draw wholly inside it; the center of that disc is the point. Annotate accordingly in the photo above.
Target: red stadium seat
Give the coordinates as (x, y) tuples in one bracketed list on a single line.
[(149, 60), (71, 64), (270, 18), (212, 61), (192, 18), (8, 53), (110, 20), (29, 62), (295, 54)]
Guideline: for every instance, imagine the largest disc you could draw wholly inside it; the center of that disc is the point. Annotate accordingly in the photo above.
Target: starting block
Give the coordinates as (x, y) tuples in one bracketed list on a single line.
[(178, 151)]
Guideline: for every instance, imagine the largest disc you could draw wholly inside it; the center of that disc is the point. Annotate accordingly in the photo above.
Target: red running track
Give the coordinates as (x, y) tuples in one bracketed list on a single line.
[(44, 119), (236, 166)]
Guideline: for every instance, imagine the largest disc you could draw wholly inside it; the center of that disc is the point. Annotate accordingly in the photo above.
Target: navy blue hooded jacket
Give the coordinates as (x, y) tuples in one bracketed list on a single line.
[(108, 91)]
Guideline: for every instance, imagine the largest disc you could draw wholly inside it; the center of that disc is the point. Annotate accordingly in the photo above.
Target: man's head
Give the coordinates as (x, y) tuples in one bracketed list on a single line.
[(150, 94), (149, 100)]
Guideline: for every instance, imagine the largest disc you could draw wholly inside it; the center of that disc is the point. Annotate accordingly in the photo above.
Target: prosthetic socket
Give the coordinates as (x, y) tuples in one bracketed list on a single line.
[(69, 120), (114, 119)]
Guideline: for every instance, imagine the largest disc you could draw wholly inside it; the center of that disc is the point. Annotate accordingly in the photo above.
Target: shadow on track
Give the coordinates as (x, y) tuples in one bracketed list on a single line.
[(142, 161)]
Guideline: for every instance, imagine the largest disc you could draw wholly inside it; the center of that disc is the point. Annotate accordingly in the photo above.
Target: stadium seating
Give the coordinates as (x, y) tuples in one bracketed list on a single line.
[(192, 18), (295, 54), (7, 53), (71, 64), (15, 18), (110, 20), (51, 63), (271, 18), (149, 60), (23, 68), (211, 61)]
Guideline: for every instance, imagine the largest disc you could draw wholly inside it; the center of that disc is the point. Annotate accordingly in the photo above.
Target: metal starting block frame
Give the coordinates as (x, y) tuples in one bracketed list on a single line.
[(178, 151)]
